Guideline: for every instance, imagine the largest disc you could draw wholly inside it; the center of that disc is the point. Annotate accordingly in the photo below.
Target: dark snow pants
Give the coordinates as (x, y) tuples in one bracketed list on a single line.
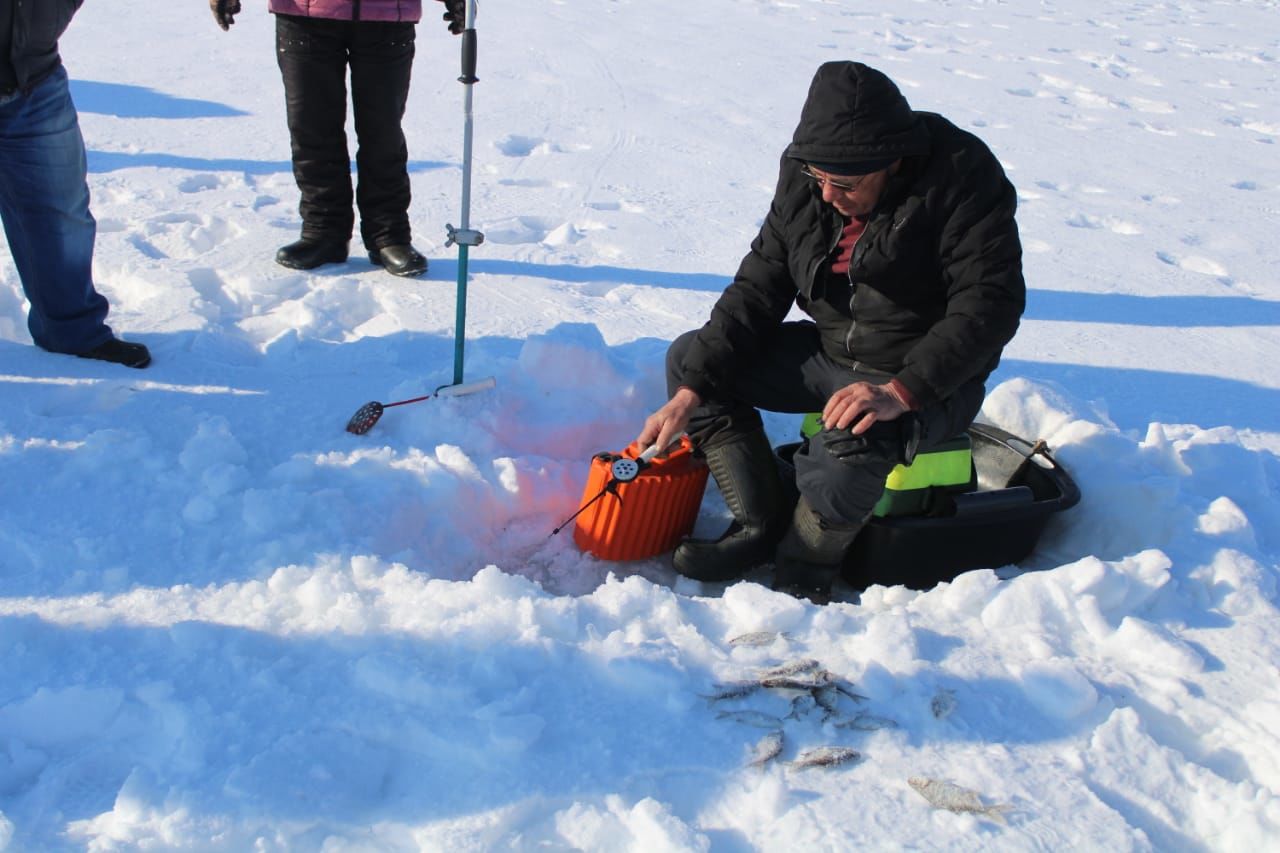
[(793, 374), (314, 54)]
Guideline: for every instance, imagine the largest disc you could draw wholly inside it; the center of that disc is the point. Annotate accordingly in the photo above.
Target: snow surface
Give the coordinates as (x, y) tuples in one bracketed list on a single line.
[(227, 624)]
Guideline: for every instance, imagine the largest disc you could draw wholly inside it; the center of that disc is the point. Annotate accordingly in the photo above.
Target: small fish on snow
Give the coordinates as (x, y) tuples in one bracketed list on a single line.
[(795, 667), (850, 692), (826, 756), (953, 798), (801, 706), (806, 681), (943, 703), (867, 723), (828, 698), (759, 719), (730, 690), (757, 638), (766, 749)]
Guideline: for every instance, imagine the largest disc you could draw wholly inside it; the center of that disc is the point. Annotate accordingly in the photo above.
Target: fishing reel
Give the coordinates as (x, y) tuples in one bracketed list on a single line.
[(622, 469)]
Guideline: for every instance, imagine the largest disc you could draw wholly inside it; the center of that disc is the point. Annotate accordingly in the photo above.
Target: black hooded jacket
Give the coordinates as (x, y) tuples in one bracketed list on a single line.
[(29, 53), (935, 284)]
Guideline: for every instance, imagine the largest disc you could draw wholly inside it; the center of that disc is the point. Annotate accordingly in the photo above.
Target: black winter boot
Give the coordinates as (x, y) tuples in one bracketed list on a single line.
[(811, 553), (309, 253), (748, 479), (120, 352), (399, 260)]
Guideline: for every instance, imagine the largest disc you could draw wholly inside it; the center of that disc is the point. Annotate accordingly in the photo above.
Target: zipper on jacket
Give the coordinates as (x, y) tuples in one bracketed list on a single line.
[(855, 260), (860, 248), (355, 10), (822, 260), (853, 320)]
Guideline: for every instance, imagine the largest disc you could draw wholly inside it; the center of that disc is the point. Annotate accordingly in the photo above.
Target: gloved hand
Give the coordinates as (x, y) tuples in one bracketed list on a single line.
[(224, 12), (455, 14), (886, 441)]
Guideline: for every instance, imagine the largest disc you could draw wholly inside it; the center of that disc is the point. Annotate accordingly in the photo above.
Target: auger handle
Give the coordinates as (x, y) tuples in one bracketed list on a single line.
[(469, 388), (653, 449)]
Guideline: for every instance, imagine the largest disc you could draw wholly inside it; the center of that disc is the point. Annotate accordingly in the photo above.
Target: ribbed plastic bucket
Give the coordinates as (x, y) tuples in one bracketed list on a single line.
[(647, 516)]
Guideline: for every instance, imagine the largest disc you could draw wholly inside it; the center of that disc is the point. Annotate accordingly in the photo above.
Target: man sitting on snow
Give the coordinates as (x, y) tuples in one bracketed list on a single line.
[(894, 231)]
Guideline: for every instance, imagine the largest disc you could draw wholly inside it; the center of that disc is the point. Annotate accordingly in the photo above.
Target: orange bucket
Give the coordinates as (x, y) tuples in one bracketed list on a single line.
[(647, 515)]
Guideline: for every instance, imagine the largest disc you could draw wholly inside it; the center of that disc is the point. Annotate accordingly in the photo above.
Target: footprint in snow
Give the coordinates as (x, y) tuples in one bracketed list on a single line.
[(199, 183), (522, 146)]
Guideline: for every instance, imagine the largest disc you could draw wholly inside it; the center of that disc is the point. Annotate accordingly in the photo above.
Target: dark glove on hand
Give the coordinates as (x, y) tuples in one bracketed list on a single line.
[(224, 12), (456, 15), (887, 441)]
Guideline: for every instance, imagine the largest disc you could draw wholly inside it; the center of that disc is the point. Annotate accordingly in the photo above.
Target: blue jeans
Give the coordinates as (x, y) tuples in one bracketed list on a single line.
[(44, 202)]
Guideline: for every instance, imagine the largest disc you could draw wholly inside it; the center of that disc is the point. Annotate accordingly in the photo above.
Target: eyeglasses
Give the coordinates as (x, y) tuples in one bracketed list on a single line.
[(835, 185)]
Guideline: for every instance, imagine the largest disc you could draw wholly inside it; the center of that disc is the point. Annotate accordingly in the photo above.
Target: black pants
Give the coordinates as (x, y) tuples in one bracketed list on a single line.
[(314, 54), (793, 374)]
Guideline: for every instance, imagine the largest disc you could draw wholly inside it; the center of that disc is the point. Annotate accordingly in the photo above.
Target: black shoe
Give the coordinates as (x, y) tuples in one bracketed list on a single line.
[(117, 351), (399, 260), (307, 254)]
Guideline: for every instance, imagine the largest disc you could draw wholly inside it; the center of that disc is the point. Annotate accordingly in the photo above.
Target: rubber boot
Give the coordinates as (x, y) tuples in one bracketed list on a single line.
[(747, 475), (311, 252), (811, 554)]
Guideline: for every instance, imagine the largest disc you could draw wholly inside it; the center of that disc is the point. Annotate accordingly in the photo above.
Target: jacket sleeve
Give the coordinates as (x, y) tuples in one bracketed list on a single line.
[(980, 261), (751, 308)]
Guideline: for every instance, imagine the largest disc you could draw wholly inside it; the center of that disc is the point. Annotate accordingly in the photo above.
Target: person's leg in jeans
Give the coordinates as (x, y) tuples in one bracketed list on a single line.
[(44, 200), (381, 63), (312, 55)]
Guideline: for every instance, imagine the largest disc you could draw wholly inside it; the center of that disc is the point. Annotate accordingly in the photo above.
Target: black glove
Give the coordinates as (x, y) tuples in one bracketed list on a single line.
[(886, 441), (456, 15), (224, 12)]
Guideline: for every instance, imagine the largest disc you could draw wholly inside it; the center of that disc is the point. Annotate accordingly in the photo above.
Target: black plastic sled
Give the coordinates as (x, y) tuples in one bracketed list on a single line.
[(993, 521)]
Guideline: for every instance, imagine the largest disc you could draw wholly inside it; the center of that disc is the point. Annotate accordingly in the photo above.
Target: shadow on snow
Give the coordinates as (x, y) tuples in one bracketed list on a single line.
[(1167, 311), (125, 101)]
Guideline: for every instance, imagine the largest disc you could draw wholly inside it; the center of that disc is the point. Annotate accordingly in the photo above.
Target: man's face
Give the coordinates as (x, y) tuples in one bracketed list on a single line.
[(852, 195)]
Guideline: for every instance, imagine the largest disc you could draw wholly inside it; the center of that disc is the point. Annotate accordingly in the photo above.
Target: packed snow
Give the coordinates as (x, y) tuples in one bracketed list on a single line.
[(228, 624)]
